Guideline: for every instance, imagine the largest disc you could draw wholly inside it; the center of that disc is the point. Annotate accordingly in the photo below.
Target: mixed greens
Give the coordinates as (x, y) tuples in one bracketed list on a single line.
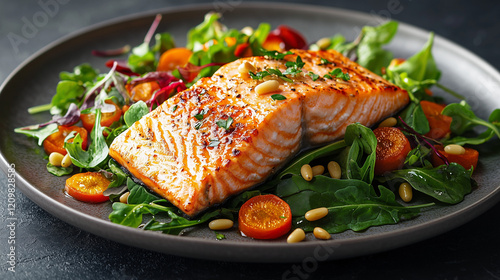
[(356, 201)]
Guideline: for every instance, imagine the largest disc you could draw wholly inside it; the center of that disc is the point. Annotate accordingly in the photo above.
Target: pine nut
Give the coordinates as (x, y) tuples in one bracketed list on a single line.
[(267, 87), (320, 233), (318, 170), (220, 224), (334, 170), (55, 158), (124, 197), (454, 149), (389, 122), (405, 192), (306, 172), (245, 67), (66, 161), (247, 30), (316, 214), (296, 236), (324, 43)]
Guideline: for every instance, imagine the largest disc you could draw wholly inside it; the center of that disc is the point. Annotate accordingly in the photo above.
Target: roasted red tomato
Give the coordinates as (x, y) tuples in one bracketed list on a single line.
[(55, 141), (87, 187), (265, 217)]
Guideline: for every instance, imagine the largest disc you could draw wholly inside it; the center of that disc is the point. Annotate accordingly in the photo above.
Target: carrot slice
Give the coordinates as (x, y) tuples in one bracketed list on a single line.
[(173, 58), (265, 217), (392, 149), (467, 160), (439, 124), (87, 187)]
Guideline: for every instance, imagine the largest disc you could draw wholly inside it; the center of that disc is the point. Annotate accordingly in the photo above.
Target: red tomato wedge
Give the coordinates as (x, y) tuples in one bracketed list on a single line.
[(439, 124), (284, 38), (55, 141), (467, 160), (87, 187), (174, 58), (392, 149), (265, 217), (107, 119)]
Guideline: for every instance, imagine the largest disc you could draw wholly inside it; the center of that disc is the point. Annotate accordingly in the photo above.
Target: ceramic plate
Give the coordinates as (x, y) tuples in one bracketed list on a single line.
[(34, 83)]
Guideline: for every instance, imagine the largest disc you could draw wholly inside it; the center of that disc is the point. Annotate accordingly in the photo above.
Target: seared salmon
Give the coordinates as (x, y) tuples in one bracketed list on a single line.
[(219, 137)]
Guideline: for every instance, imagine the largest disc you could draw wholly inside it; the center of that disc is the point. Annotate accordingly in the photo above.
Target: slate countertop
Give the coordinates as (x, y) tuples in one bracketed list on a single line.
[(48, 248)]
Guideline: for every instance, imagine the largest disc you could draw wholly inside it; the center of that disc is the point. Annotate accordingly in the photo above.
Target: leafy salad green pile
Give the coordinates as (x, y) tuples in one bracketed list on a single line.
[(357, 201)]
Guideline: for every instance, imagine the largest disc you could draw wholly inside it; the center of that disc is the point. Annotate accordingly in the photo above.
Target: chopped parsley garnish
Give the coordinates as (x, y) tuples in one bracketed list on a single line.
[(214, 142), (198, 124), (275, 54), (313, 76), (174, 108), (201, 114), (219, 236), (325, 61), (278, 97), (337, 73), (226, 124), (260, 75), (294, 68)]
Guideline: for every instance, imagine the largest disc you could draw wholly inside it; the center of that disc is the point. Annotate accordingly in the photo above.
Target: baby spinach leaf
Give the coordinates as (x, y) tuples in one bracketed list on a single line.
[(59, 170), (67, 92), (306, 158), (414, 117), (359, 162), (142, 59), (420, 66), (135, 113), (132, 214), (97, 151), (82, 73), (446, 183), (369, 51), (164, 42), (178, 223), (352, 204), (139, 194)]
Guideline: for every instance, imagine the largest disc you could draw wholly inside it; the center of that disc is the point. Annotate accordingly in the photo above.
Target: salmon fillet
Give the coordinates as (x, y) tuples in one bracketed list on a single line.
[(180, 152)]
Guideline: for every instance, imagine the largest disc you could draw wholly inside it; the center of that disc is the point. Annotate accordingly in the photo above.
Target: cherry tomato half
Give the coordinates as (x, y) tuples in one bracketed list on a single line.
[(284, 38), (107, 119), (265, 217), (173, 58), (87, 187), (55, 141)]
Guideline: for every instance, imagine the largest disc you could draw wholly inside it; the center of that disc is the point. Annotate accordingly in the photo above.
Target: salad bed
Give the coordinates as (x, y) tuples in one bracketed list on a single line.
[(139, 200)]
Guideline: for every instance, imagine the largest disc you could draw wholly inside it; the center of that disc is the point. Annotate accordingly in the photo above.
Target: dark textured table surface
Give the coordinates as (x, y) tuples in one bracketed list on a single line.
[(47, 248)]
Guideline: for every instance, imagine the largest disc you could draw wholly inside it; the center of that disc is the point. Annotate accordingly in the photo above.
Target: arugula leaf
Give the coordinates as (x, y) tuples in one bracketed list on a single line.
[(352, 204), (447, 183), (142, 59), (118, 174), (97, 151), (135, 113), (209, 29), (464, 118), (40, 133)]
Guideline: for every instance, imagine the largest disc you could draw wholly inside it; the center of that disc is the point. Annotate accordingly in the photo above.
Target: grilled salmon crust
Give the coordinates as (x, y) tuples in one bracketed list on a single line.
[(188, 151)]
